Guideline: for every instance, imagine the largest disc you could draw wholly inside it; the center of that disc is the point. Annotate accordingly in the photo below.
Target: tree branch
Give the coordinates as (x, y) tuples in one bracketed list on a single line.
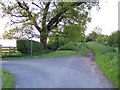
[(55, 19), (26, 8), (41, 5), (54, 26), (18, 16), (55, 4), (36, 5), (45, 15)]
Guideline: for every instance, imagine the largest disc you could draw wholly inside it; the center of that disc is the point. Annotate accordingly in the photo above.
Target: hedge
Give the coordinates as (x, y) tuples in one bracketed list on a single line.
[(24, 46)]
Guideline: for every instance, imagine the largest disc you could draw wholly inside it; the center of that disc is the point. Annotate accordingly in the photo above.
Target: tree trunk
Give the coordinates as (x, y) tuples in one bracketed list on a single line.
[(43, 38)]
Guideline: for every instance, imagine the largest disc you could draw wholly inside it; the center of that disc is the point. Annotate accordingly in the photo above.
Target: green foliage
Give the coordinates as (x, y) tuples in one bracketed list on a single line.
[(113, 38), (70, 46), (107, 59), (83, 50), (103, 39), (109, 64), (24, 46), (18, 33), (55, 42), (7, 80), (74, 33), (92, 36), (100, 48)]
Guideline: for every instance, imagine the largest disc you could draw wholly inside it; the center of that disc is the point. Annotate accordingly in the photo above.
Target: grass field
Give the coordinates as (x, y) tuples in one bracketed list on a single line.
[(107, 59)]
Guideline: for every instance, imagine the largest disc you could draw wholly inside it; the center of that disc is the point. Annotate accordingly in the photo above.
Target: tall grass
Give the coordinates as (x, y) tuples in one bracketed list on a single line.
[(107, 59)]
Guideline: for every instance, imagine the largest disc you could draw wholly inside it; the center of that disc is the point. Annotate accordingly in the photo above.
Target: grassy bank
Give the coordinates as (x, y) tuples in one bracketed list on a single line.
[(107, 59), (7, 79)]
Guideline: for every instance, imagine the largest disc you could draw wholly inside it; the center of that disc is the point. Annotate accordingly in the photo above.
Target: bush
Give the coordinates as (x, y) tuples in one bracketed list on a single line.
[(55, 43), (70, 46), (24, 46)]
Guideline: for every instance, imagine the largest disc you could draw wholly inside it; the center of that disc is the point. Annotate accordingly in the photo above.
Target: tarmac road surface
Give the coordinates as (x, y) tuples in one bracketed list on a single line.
[(67, 72)]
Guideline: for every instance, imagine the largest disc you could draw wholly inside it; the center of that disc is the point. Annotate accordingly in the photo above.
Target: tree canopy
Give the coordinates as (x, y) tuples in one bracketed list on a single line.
[(45, 16)]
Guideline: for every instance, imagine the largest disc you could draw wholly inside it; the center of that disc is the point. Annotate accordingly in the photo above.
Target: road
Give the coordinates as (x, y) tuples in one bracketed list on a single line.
[(67, 72)]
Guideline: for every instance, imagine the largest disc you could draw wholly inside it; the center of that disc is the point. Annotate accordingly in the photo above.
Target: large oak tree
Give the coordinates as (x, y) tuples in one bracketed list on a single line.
[(45, 16)]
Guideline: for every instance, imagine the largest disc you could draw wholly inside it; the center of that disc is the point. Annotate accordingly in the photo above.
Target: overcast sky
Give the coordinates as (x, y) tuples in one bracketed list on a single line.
[(106, 18)]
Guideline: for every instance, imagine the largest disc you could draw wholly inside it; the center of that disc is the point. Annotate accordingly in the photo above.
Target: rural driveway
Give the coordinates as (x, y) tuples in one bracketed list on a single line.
[(67, 72)]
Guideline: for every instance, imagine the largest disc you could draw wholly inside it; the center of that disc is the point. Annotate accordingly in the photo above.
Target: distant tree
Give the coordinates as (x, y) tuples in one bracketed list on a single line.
[(92, 36), (113, 38), (98, 30)]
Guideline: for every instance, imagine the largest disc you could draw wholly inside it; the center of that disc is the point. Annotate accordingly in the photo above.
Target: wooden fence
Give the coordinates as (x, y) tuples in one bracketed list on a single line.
[(9, 50)]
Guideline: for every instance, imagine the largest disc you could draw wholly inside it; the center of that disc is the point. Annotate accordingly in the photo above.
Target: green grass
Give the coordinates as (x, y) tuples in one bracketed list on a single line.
[(107, 59), (7, 79), (100, 48), (83, 50), (57, 54), (70, 46), (109, 64)]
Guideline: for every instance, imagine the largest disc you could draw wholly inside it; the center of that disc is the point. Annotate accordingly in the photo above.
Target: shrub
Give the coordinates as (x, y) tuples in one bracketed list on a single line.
[(24, 46), (55, 43), (70, 46)]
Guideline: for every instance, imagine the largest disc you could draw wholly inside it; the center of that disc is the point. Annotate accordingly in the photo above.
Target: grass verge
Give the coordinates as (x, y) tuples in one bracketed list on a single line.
[(7, 79), (55, 54), (107, 59)]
